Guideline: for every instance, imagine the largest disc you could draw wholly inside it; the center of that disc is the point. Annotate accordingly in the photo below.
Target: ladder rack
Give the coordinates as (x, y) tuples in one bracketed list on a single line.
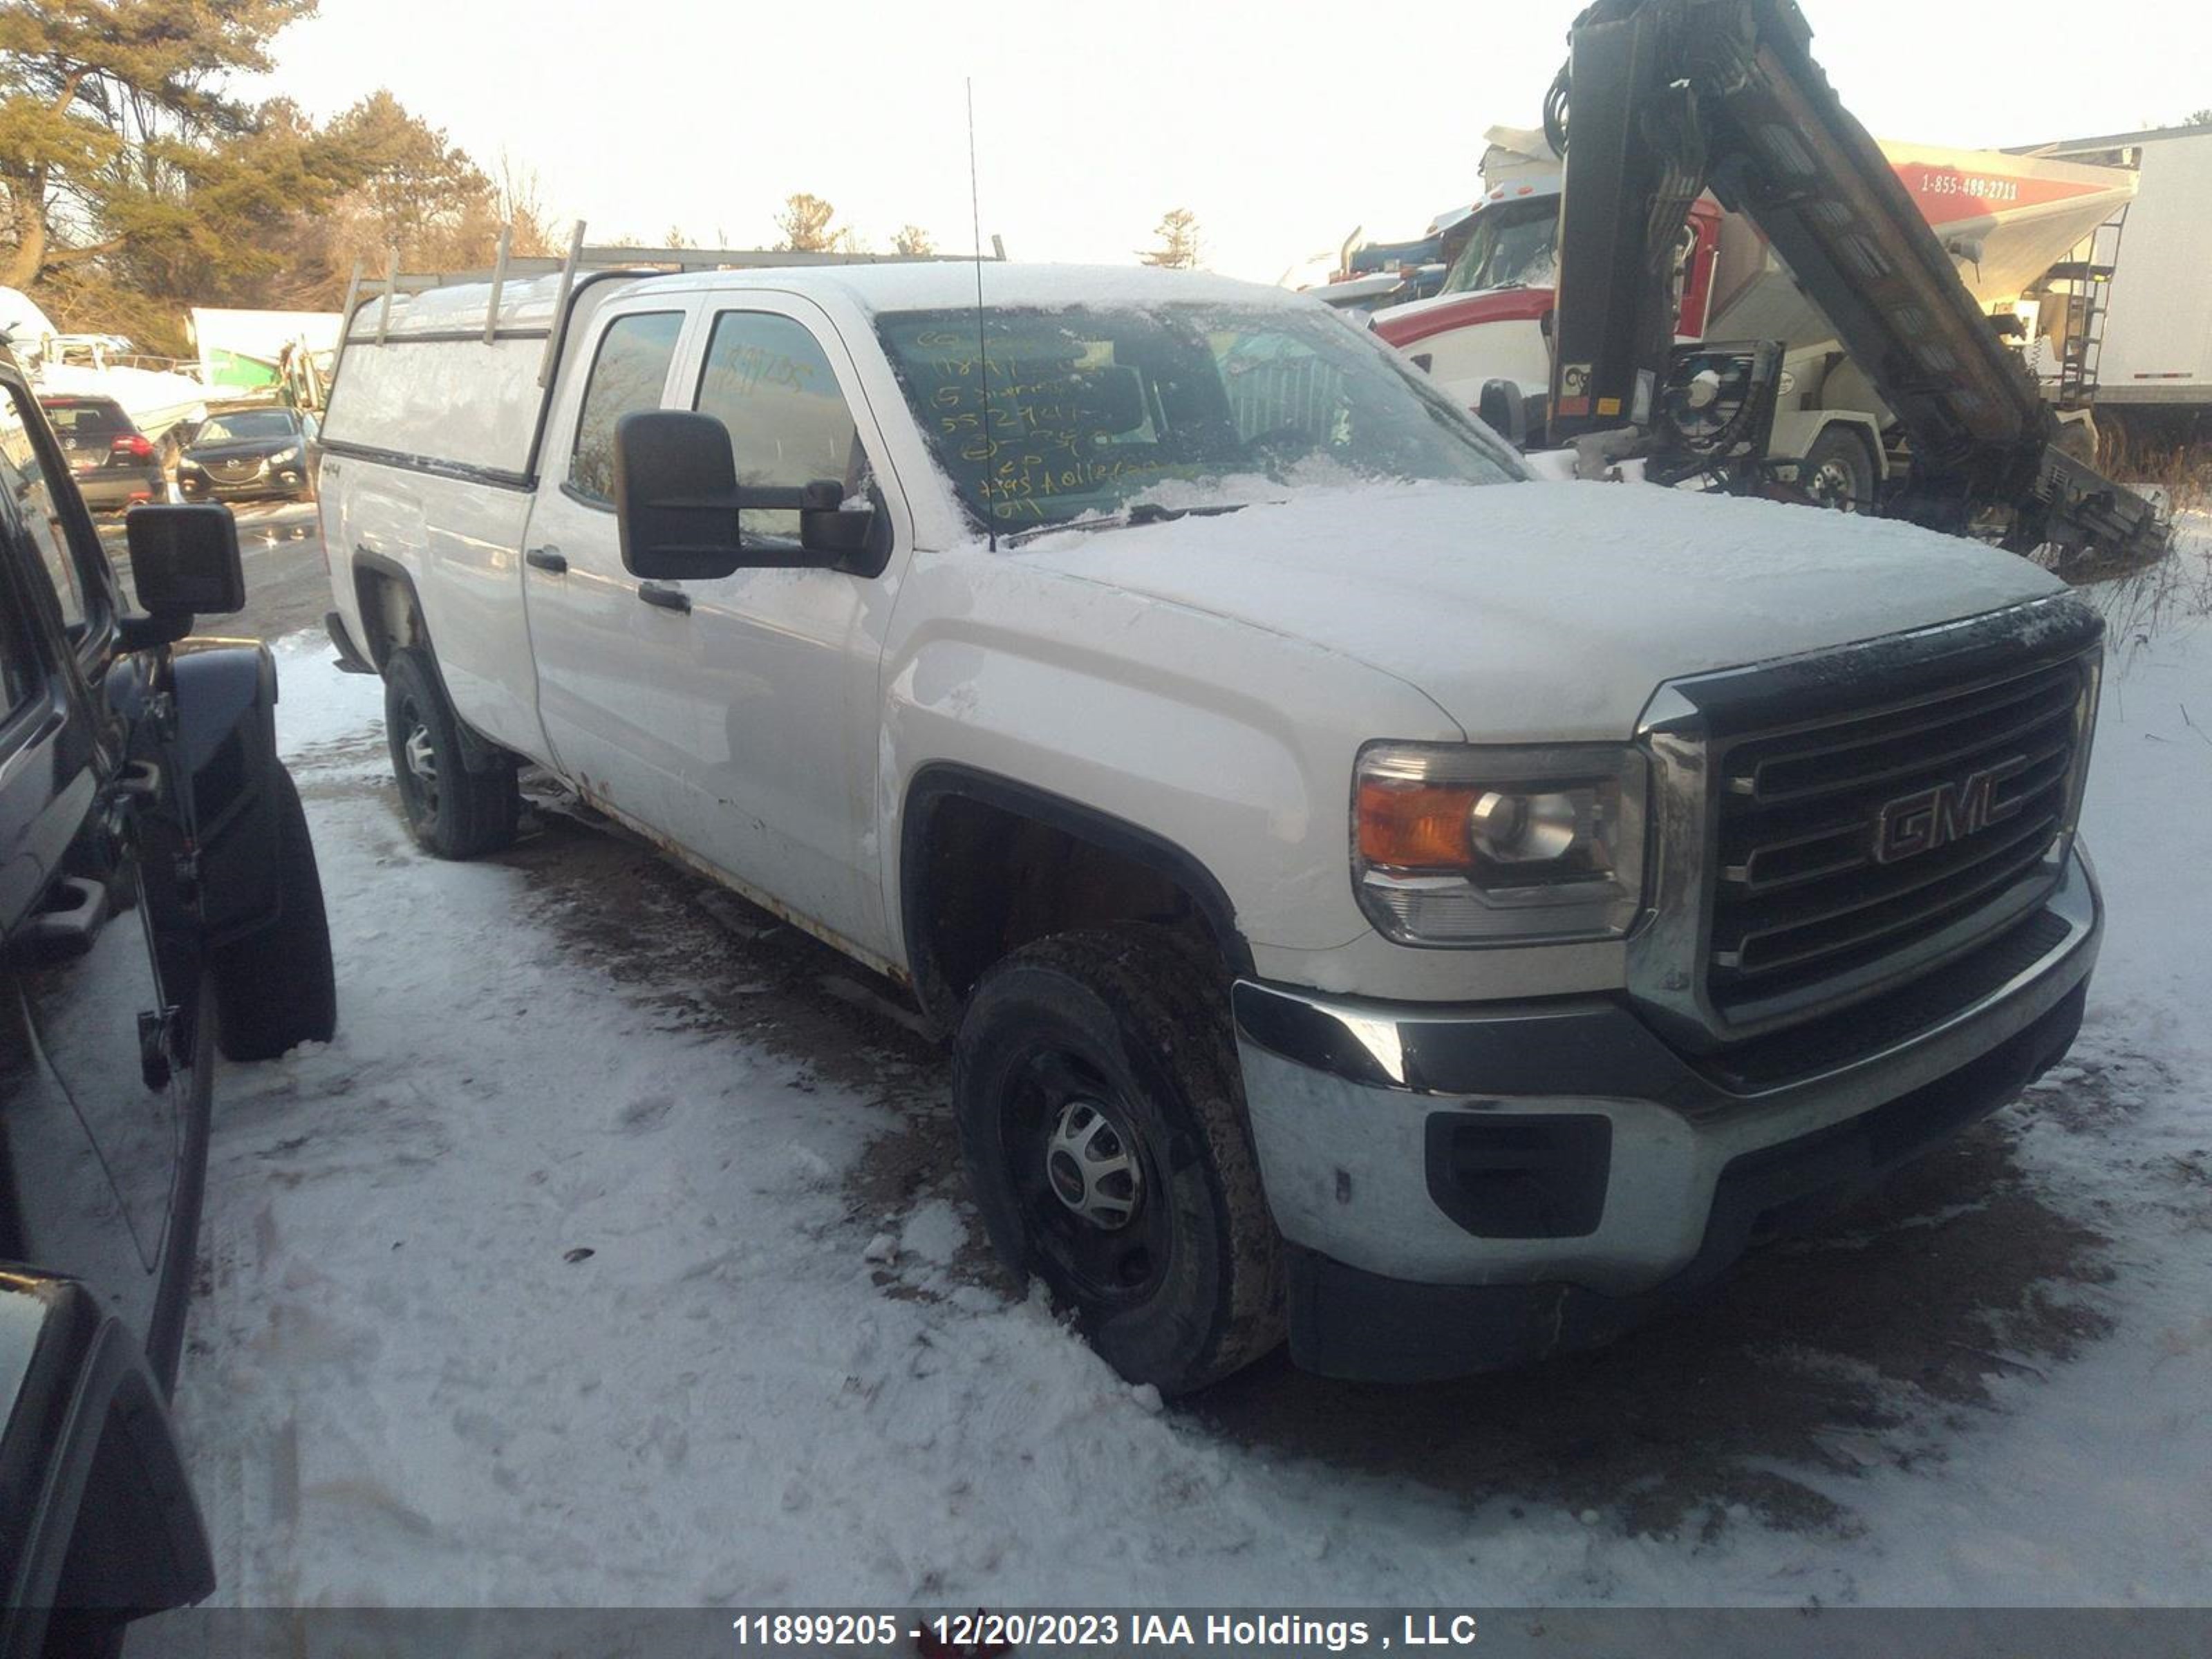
[(584, 256)]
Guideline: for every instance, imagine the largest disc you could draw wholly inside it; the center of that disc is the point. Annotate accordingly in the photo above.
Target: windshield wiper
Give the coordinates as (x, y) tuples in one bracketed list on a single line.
[(1142, 514)]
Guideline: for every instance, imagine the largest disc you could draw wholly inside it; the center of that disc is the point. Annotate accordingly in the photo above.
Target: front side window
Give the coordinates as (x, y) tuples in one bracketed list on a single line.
[(629, 374), (766, 379), (27, 480), (1178, 408)]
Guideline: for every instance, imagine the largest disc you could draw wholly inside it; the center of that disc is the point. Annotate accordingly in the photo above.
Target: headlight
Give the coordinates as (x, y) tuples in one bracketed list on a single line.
[(1462, 846), (284, 455)]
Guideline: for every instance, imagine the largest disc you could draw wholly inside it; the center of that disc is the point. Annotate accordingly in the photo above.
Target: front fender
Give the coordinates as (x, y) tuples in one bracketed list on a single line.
[(226, 745)]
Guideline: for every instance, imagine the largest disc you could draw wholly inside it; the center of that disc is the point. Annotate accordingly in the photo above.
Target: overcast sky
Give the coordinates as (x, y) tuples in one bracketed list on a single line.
[(1282, 126)]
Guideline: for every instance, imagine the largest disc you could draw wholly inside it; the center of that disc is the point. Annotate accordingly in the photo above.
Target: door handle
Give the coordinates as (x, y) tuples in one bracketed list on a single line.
[(668, 598), (547, 559)]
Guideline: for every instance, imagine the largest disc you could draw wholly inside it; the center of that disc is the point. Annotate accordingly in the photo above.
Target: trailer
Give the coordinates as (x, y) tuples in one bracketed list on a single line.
[(2124, 325)]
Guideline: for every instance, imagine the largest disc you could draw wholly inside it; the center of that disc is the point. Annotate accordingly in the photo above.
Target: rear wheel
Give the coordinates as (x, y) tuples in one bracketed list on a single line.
[(1838, 472), (276, 988), (451, 812), (1102, 1122)]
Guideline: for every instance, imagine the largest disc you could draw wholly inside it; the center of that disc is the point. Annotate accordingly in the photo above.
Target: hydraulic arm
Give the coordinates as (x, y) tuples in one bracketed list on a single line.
[(1663, 98)]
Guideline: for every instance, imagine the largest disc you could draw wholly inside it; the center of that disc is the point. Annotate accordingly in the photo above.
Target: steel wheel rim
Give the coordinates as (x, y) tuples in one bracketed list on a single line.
[(1087, 1181), (417, 762), (1833, 486)]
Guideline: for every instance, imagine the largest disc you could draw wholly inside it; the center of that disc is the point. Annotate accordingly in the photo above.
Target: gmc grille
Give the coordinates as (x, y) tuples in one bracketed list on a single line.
[(1860, 851)]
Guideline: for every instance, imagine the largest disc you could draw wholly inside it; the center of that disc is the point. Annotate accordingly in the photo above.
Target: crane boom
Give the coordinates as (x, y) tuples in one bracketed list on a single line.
[(1666, 98)]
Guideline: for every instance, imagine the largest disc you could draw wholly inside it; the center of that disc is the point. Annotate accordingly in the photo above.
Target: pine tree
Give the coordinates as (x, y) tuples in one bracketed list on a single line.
[(1179, 241)]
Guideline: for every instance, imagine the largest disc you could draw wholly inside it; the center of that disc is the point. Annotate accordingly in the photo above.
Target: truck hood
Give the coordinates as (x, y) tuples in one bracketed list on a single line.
[(1535, 612)]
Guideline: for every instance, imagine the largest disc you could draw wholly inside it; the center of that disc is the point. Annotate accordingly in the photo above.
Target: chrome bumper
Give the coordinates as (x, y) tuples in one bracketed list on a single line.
[(1349, 1099)]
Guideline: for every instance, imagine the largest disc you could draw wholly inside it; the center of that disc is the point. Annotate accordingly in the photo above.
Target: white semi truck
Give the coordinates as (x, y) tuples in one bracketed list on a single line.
[(2006, 219)]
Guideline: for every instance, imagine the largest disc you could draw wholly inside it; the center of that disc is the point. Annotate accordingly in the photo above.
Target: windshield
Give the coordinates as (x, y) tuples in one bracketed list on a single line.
[(1188, 406), (1514, 245), (246, 425)]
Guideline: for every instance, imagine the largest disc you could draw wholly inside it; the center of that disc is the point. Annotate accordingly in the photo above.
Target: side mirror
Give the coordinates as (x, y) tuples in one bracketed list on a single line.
[(677, 501), (102, 1527), (676, 495), (827, 526), (1504, 410), (184, 561)]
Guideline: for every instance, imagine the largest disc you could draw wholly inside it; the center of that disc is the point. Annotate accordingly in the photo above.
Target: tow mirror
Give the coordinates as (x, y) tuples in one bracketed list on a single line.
[(676, 495), (678, 504), (184, 561)]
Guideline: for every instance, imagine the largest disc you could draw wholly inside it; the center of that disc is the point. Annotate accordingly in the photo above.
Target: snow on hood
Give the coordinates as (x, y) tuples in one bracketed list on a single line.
[(1535, 612)]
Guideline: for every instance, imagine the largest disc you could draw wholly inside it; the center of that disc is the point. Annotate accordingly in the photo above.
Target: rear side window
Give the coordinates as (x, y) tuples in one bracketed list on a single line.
[(27, 484), (766, 379), (628, 374)]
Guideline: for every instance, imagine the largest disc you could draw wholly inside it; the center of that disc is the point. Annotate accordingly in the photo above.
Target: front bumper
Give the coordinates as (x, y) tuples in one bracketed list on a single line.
[(1465, 1189), (107, 490), (288, 483)]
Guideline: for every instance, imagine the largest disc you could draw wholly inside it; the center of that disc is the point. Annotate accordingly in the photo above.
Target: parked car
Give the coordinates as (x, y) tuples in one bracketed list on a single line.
[(116, 467), (252, 452), (158, 901), (1374, 895)]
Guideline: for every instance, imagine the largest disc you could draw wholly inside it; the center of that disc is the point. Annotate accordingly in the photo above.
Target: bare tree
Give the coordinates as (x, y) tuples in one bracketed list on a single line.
[(1179, 241), (521, 200)]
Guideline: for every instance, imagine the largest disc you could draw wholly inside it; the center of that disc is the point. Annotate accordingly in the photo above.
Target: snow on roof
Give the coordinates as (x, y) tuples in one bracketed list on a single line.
[(940, 285)]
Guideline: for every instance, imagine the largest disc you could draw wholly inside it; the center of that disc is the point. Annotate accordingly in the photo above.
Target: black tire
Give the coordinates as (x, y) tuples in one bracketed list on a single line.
[(451, 812), (1122, 1034), (276, 988), (1838, 472)]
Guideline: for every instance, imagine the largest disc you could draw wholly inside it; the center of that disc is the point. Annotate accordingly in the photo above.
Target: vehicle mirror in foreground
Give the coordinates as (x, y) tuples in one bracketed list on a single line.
[(1504, 410), (826, 525), (676, 495), (101, 1523), (184, 561)]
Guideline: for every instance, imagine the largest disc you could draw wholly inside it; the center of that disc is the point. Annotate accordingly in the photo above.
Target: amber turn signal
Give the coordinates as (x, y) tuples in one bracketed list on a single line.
[(1407, 825)]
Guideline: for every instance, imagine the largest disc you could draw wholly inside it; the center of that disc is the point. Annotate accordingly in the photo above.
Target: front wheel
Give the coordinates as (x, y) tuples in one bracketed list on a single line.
[(1102, 1122), (451, 812), (1838, 472)]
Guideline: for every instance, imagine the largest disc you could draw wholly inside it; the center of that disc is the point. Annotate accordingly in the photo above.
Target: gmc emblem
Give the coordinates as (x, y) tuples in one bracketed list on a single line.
[(1914, 824)]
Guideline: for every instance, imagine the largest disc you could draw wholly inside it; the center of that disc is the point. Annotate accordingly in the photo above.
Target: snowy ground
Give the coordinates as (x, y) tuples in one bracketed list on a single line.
[(611, 1255)]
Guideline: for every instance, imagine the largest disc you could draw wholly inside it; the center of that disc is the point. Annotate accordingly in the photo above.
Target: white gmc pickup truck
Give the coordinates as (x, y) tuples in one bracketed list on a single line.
[(1375, 898)]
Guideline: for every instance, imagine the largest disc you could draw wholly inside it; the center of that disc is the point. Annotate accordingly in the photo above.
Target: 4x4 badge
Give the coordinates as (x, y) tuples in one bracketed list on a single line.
[(1917, 823)]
